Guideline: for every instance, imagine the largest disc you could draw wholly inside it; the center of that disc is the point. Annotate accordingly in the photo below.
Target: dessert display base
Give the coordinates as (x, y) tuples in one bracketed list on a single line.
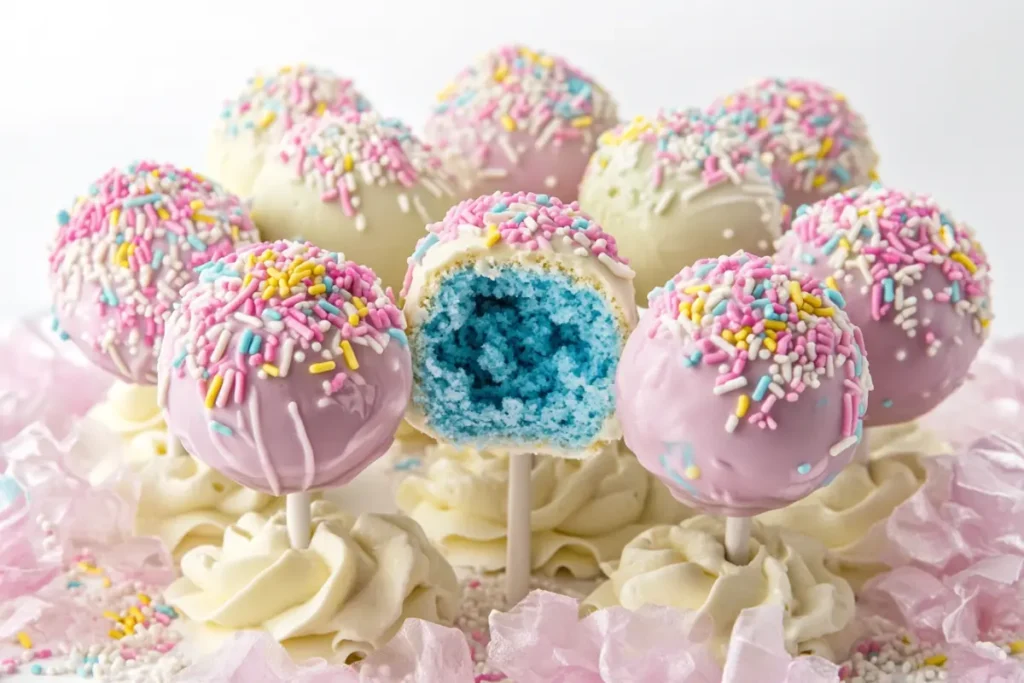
[(951, 610)]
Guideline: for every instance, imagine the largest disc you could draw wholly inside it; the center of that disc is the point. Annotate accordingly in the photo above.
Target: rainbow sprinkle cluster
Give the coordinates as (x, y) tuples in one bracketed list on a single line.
[(523, 220), (132, 243), (807, 127), (688, 143), (890, 238), (273, 305), (338, 155), (515, 89), (742, 310), (276, 102)]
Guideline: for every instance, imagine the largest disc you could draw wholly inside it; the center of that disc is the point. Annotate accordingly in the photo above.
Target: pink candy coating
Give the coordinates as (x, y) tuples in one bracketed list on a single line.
[(124, 251), (286, 368), (915, 281), (729, 424), (519, 120)]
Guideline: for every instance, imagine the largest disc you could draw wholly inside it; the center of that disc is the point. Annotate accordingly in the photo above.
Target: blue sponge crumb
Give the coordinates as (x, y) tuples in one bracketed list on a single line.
[(522, 357)]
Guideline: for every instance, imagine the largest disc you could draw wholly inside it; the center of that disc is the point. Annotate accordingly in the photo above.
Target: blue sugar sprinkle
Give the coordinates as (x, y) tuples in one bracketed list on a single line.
[(255, 344), (197, 243), (74, 584), (887, 403), (141, 200), (758, 290), (407, 464), (841, 173), (762, 387), (179, 359), (520, 356), (693, 359), (221, 428), (36, 669), (858, 361), (425, 244), (720, 308), (63, 217), (803, 468), (498, 208), (888, 290), (954, 291), (167, 611), (399, 336), (329, 307), (580, 223), (808, 259), (832, 243), (110, 296), (519, 217), (158, 257), (835, 297), (704, 269), (243, 344), (543, 199), (859, 431), (328, 283), (271, 313), (10, 491)]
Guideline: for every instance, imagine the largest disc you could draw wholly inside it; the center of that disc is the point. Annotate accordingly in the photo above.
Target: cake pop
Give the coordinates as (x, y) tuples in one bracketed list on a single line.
[(679, 187), (287, 369), (269, 105), (518, 308), (743, 388), (520, 120), (355, 183), (124, 251), (916, 283), (817, 143)]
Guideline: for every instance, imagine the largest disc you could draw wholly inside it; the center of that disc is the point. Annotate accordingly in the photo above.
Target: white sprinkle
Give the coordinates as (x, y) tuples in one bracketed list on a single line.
[(731, 423), (838, 448), (731, 385), (287, 348)]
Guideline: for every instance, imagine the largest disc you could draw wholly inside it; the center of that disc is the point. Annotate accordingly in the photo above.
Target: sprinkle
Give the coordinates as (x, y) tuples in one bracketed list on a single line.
[(24, 640), (211, 394), (935, 660), (350, 356), (742, 405), (325, 366)]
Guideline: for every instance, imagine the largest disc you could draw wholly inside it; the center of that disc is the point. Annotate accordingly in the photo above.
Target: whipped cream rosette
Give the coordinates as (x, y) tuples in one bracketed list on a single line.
[(684, 566), (583, 511), (351, 589)]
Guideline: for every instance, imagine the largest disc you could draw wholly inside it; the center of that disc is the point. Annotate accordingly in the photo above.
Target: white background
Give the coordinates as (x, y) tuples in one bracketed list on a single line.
[(89, 84)]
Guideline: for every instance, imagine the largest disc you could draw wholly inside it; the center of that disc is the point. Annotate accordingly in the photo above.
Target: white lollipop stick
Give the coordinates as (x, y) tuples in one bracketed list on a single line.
[(518, 550), (174, 448), (298, 519), (737, 540)]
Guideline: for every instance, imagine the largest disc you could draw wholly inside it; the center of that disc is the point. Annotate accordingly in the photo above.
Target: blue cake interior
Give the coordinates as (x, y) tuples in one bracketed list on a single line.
[(522, 356)]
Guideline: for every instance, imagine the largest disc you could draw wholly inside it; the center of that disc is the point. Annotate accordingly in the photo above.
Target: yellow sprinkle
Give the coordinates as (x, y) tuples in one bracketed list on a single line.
[(769, 344), (742, 334), (692, 472), (501, 72), (508, 122), (321, 108), (807, 308), (546, 62), (110, 615), (727, 335), (693, 289), (269, 290), (818, 181), (812, 300), (144, 599), (360, 304), (794, 102), (267, 119), (211, 395), (24, 640), (129, 630), (796, 156), (528, 53), (873, 174), (121, 257), (772, 334), (845, 244), (831, 282), (89, 569), (684, 307), (196, 204), (317, 289), (775, 324), (824, 312), (742, 345), (826, 146), (698, 307), (985, 322), (325, 366), (115, 634), (493, 236), (115, 215), (350, 356), (283, 288), (839, 97), (106, 582), (1016, 647), (582, 121), (271, 370), (162, 212), (137, 613), (964, 260), (353, 319), (348, 162), (795, 293), (602, 162), (320, 270), (201, 218), (251, 262), (762, 123), (742, 404), (935, 660)]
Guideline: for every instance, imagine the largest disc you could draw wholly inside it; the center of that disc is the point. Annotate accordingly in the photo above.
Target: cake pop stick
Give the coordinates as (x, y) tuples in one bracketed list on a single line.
[(743, 388), (518, 306), (287, 369), (123, 253)]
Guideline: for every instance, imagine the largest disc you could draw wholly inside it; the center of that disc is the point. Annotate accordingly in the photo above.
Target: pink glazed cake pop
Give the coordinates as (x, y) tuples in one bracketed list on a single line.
[(916, 282), (744, 386), (286, 368), (124, 251), (519, 120)]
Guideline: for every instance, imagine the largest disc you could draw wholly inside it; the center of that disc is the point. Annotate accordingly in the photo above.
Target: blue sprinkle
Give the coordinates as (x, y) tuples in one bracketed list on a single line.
[(180, 359), (196, 242), (803, 468), (580, 223), (254, 344), (407, 464), (328, 283), (954, 291), (859, 431), (166, 610), (172, 238), (720, 308), (243, 343), (888, 289), (887, 403), (54, 324), (84, 671), (758, 290), (706, 268), (543, 199), (271, 313), (862, 409), (329, 307), (142, 199), (425, 244), (762, 387), (832, 243), (221, 428), (808, 259), (158, 257), (519, 217), (36, 669), (110, 296), (858, 361), (64, 336), (74, 584), (63, 218), (835, 297), (119, 239), (692, 360), (499, 207), (399, 336), (10, 491), (841, 173)]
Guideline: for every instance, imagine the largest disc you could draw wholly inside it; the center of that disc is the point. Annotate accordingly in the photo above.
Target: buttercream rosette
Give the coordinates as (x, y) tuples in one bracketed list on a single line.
[(908, 437), (684, 566), (351, 590), (584, 511)]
